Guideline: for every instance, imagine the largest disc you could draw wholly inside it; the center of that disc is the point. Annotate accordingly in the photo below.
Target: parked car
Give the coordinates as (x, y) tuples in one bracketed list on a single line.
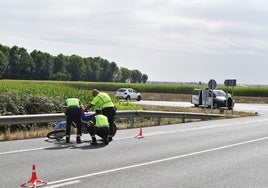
[(203, 97), (128, 94)]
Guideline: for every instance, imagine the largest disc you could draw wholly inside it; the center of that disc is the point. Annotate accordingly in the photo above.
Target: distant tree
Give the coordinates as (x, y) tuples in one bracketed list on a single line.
[(118, 76), (3, 63), (27, 67), (60, 63), (125, 75), (43, 66), (12, 69), (5, 49), (114, 70), (21, 65), (96, 69), (106, 71), (59, 69), (88, 74), (44, 63), (144, 78), (76, 67), (135, 76)]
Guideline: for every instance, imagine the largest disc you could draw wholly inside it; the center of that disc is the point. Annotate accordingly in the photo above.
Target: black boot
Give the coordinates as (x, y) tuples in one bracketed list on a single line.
[(67, 139), (78, 140), (94, 141), (110, 138), (106, 141)]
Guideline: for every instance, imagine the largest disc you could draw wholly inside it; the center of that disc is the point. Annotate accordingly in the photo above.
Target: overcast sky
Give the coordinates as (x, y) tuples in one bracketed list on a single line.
[(169, 40)]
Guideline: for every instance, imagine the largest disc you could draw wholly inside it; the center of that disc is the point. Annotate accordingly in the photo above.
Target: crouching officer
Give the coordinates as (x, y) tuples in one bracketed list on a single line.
[(73, 111), (99, 125)]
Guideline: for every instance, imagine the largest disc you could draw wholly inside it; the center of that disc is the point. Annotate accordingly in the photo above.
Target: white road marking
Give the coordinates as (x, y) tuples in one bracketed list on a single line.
[(22, 150), (64, 184)]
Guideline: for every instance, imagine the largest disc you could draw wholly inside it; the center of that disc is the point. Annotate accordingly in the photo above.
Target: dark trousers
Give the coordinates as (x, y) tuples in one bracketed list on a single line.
[(230, 103), (100, 131), (74, 114), (109, 112)]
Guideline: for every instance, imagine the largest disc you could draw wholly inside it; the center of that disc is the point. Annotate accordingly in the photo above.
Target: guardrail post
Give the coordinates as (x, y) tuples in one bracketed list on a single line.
[(159, 120), (131, 122), (183, 118)]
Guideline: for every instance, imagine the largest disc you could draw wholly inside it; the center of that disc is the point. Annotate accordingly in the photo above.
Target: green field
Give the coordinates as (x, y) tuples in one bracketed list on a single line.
[(16, 94), (81, 89)]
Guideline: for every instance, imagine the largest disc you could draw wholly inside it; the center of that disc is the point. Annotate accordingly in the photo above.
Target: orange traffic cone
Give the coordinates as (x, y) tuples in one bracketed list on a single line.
[(34, 180), (140, 134)]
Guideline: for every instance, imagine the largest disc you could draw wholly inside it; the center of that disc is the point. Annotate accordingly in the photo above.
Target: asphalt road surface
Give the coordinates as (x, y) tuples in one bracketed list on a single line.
[(219, 153), (259, 108)]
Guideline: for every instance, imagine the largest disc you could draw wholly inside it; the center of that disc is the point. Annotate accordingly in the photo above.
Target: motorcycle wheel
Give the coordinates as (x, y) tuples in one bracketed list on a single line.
[(57, 134), (114, 130)]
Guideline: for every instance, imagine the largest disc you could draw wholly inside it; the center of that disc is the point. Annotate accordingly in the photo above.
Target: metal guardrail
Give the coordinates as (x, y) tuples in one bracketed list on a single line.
[(41, 118)]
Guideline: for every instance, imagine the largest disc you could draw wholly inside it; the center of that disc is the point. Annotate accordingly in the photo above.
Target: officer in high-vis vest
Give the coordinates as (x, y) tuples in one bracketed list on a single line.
[(73, 111), (98, 125), (230, 101), (103, 102)]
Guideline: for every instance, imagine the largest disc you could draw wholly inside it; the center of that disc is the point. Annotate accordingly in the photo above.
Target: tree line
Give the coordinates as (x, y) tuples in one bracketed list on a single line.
[(17, 63)]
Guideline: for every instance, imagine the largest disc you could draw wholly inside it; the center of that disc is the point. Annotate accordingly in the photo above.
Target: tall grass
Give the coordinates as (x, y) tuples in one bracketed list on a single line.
[(58, 90)]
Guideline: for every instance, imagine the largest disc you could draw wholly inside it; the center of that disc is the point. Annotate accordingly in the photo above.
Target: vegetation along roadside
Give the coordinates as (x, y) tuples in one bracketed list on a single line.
[(37, 97)]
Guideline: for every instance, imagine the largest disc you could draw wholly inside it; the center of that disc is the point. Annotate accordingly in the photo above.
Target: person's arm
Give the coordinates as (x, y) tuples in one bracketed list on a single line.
[(65, 111), (88, 107), (92, 103), (64, 108), (91, 122)]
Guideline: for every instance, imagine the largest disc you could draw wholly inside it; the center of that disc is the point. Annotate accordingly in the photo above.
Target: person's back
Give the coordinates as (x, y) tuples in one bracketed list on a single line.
[(102, 100), (101, 120), (73, 111)]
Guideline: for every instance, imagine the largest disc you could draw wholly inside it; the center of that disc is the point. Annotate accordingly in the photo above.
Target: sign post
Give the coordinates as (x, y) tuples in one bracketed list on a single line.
[(212, 84)]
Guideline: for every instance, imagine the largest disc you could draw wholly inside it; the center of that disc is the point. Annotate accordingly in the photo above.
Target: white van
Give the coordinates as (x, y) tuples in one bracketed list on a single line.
[(203, 97), (196, 97)]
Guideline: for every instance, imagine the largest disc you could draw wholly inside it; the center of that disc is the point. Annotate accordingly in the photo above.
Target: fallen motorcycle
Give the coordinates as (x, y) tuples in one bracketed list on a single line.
[(59, 131)]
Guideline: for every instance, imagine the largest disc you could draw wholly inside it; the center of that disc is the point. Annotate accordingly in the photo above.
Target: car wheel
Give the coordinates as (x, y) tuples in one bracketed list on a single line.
[(128, 98), (139, 98)]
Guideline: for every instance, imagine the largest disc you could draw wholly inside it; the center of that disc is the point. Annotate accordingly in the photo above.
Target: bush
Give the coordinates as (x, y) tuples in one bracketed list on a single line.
[(15, 103)]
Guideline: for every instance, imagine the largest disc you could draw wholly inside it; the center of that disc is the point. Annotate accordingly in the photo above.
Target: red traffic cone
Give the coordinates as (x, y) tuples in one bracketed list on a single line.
[(34, 180), (140, 134)]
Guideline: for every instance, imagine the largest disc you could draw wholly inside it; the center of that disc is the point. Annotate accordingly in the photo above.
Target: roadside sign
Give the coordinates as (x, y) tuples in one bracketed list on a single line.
[(212, 84), (230, 82)]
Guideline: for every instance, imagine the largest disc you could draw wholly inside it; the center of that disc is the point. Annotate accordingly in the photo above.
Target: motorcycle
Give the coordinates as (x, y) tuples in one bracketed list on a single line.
[(59, 131)]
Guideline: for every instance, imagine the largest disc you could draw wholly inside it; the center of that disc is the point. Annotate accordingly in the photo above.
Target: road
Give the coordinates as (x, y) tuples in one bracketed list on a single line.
[(259, 108), (219, 153)]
